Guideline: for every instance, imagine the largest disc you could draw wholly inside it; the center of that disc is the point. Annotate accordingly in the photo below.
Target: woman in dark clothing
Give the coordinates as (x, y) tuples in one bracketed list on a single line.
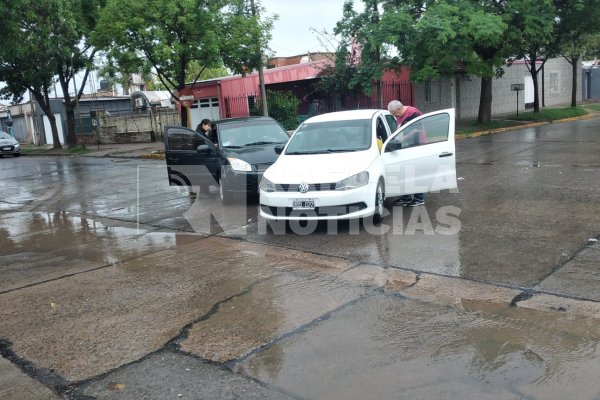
[(204, 128)]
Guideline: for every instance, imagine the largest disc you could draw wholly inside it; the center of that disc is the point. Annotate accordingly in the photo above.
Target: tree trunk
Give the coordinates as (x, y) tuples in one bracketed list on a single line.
[(69, 110), (379, 94), (534, 78), (45, 105), (574, 82), (71, 131), (184, 116), (485, 101)]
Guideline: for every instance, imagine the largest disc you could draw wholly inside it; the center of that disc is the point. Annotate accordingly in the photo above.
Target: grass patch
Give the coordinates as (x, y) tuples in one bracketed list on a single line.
[(79, 149), (473, 127), (594, 107), (34, 149), (550, 114)]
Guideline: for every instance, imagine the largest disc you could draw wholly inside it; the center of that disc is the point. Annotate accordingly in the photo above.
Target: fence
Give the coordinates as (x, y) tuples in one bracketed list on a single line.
[(241, 106), (135, 127)]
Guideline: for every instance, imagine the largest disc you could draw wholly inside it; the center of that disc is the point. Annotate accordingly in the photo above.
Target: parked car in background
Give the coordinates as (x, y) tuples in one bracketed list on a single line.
[(243, 149), (333, 168), (9, 145)]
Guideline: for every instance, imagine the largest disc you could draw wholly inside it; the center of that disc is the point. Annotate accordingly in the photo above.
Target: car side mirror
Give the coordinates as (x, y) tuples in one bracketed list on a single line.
[(279, 148), (393, 145), (203, 149)]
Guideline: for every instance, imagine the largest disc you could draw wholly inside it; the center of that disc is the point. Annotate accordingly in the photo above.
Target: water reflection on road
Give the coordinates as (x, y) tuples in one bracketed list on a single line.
[(386, 347)]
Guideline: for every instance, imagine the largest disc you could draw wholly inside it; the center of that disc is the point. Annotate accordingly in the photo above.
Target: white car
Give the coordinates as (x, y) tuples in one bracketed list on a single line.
[(9, 145), (332, 167)]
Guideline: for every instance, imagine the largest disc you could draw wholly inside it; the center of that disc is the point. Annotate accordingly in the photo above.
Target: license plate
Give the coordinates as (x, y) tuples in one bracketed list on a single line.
[(7, 149), (303, 204)]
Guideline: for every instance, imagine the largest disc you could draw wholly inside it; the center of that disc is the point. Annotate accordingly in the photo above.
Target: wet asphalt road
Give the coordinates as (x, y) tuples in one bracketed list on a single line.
[(115, 285)]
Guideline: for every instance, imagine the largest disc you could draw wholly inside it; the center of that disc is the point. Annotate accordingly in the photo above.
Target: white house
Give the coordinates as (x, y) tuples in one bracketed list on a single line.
[(462, 91)]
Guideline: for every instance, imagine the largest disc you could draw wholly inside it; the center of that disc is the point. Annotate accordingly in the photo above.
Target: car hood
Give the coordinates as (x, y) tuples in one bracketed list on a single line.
[(264, 154), (317, 168), (8, 142)]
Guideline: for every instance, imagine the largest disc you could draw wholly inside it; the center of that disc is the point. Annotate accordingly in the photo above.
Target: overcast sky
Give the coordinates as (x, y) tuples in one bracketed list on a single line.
[(292, 33)]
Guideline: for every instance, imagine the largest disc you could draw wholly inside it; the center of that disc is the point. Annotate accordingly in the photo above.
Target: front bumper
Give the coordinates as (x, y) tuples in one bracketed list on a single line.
[(329, 205), (10, 149), (239, 181)]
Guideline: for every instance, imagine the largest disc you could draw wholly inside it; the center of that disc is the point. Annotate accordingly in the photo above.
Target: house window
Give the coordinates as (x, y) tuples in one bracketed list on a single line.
[(209, 102), (433, 91), (553, 82)]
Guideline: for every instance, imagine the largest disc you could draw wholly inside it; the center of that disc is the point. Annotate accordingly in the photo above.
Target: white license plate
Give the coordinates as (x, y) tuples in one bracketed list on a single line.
[(303, 204), (7, 149)]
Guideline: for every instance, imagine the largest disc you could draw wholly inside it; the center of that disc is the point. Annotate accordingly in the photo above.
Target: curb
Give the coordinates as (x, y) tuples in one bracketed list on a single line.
[(463, 136)]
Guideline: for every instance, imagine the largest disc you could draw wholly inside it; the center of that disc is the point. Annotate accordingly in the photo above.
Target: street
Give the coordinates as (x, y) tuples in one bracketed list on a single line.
[(116, 286)]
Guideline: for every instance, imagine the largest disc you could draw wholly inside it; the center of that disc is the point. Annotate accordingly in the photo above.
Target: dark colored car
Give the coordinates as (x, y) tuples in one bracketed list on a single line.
[(241, 150), (9, 145)]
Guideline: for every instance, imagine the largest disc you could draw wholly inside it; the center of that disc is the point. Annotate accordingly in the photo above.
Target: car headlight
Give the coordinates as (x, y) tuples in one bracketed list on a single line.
[(266, 185), (239, 165), (355, 181)]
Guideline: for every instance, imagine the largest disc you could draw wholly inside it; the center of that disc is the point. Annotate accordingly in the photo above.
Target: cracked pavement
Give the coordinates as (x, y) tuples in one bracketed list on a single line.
[(108, 292)]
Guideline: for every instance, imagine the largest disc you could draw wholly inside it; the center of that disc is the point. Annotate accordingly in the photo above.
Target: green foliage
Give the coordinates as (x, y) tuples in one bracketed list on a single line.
[(551, 114), (363, 29), (197, 72), (175, 38), (80, 149), (593, 107), (283, 107), (45, 42), (338, 78)]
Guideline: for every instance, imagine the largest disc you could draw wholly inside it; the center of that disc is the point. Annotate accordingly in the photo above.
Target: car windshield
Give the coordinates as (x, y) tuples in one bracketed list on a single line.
[(331, 137), (4, 135), (250, 133)]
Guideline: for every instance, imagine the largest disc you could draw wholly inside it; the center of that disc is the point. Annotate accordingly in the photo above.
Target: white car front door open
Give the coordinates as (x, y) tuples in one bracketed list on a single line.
[(420, 156)]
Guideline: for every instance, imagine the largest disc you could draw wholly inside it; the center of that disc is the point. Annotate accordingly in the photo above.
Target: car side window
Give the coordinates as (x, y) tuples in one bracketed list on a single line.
[(380, 129), (430, 129), (185, 140), (391, 120)]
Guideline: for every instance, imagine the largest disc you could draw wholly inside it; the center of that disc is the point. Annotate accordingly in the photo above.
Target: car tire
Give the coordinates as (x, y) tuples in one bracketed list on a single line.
[(226, 196), (379, 206)]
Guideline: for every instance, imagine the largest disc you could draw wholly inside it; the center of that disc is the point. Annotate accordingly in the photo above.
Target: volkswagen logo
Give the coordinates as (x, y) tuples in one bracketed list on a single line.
[(303, 187)]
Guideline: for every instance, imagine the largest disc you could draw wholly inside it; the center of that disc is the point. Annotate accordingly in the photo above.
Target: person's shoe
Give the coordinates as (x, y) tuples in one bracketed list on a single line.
[(403, 202), (416, 203)]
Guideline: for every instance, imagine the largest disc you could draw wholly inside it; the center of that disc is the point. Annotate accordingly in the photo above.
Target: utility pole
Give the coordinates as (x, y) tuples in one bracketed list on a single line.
[(261, 76)]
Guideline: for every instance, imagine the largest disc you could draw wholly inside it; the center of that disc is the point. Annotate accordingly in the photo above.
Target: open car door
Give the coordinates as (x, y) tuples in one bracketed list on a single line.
[(192, 159), (420, 157)]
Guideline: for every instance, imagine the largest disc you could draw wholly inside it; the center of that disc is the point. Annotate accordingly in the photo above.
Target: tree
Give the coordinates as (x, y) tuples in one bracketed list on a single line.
[(533, 36), (444, 38), (72, 21), (577, 33), (45, 43), (338, 75), (363, 30), (283, 107), (168, 36)]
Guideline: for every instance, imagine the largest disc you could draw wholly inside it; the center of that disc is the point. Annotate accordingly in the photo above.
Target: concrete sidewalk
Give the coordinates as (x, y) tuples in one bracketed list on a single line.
[(120, 150), (16, 385), (128, 150)]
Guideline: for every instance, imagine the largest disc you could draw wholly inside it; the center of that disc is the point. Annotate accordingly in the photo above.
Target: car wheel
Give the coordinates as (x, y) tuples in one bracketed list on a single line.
[(379, 209), (226, 197)]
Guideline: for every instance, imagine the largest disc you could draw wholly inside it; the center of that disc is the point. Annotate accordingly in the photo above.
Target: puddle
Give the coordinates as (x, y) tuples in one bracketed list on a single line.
[(36, 247), (387, 346)]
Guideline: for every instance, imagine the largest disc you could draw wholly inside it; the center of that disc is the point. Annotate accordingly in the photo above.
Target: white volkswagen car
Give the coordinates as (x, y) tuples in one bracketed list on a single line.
[(334, 168)]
